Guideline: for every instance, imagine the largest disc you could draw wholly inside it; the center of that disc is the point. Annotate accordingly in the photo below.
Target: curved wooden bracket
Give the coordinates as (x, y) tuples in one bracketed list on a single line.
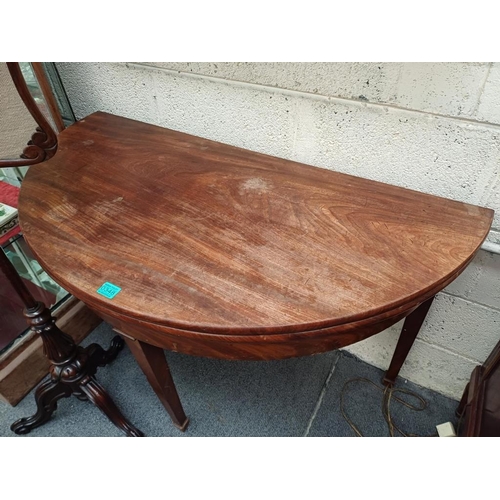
[(43, 143)]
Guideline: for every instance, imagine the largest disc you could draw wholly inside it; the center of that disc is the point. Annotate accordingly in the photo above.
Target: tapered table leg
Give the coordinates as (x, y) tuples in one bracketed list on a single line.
[(152, 361), (409, 333)]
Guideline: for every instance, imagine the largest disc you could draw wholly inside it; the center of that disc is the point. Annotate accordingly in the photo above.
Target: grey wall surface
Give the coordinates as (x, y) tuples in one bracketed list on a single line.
[(432, 127)]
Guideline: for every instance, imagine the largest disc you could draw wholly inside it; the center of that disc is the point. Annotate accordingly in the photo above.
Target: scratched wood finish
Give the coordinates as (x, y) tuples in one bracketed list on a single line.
[(215, 246)]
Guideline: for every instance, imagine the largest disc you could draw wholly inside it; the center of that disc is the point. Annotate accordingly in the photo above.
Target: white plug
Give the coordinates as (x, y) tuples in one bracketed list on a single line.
[(446, 430)]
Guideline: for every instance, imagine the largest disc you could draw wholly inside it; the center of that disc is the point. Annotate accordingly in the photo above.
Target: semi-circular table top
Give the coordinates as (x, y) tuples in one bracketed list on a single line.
[(206, 237)]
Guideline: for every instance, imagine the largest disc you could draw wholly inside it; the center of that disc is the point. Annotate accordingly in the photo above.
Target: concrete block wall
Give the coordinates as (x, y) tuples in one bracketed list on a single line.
[(432, 127)]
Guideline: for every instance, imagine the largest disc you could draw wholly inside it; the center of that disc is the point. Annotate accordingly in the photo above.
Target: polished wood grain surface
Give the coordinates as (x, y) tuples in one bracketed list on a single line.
[(205, 237)]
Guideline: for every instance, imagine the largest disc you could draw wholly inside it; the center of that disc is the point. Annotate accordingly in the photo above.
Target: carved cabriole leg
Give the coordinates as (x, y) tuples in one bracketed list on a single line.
[(97, 395), (409, 333), (72, 372), (46, 396), (152, 361), (100, 357)]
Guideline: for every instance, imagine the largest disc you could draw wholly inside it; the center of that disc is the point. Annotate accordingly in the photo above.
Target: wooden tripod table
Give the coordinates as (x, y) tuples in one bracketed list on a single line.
[(190, 245)]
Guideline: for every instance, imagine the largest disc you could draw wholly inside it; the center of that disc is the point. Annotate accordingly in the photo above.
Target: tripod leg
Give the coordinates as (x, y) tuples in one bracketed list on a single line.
[(97, 395), (72, 367), (100, 357), (46, 397)]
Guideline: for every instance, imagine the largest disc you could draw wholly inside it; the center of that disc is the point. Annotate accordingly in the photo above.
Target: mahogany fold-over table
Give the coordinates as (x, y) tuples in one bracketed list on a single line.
[(213, 250)]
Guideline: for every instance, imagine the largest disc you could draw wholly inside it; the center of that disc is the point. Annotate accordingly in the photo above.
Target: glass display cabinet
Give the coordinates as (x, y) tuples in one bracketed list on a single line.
[(12, 325)]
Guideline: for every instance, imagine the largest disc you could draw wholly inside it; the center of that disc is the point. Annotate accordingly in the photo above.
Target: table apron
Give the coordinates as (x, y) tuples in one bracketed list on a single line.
[(249, 347)]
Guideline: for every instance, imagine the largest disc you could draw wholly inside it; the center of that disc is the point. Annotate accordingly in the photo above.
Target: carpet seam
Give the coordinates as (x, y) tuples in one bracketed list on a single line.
[(319, 402)]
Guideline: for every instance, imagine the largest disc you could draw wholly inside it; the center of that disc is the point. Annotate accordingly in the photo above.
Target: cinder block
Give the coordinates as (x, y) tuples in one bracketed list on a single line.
[(439, 369), (489, 103), (110, 87), (258, 120), (480, 282), (427, 365), (462, 327), (491, 196), (451, 88), (375, 82)]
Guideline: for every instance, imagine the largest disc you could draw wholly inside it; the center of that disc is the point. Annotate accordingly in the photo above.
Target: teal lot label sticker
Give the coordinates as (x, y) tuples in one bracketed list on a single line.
[(108, 290)]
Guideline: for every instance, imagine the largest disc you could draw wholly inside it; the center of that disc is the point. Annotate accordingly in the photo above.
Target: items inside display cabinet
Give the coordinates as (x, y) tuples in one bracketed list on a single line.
[(43, 288)]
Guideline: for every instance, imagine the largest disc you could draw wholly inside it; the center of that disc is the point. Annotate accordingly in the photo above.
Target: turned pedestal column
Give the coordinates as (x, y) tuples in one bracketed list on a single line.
[(73, 368)]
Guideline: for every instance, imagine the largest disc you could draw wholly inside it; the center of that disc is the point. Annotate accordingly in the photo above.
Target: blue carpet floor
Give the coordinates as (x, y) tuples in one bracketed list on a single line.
[(295, 397)]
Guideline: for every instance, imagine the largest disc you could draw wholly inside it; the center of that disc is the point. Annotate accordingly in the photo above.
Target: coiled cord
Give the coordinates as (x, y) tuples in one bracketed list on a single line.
[(389, 395)]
